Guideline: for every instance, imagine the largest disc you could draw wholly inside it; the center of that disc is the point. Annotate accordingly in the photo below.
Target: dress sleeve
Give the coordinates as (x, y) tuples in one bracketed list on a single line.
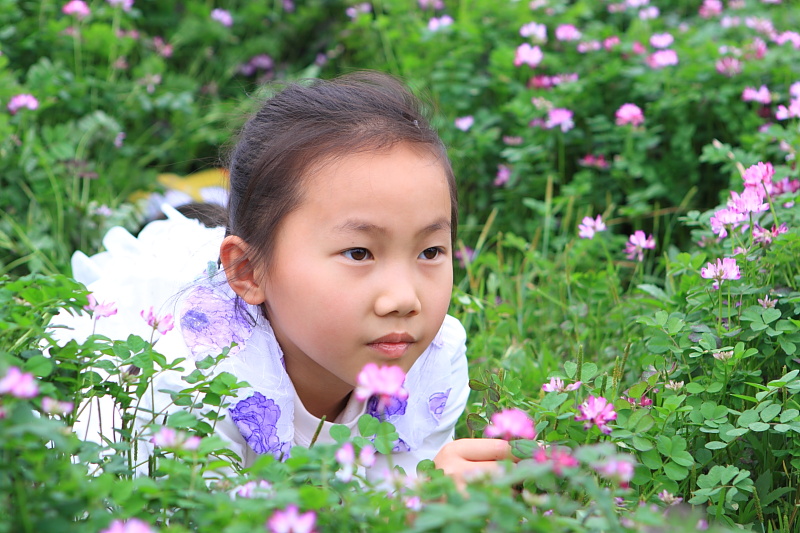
[(454, 340)]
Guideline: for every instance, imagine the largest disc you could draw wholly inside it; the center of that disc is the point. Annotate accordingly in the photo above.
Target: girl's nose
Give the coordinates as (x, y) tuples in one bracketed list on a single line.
[(398, 296)]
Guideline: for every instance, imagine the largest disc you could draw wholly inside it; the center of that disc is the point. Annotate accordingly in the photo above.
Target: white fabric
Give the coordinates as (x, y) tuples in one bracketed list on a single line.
[(171, 266)]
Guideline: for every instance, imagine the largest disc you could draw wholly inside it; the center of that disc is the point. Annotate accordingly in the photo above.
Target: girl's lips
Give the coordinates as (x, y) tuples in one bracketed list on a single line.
[(392, 350)]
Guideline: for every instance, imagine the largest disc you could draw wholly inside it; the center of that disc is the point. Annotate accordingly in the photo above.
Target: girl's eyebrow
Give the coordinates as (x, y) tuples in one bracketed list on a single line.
[(361, 226)]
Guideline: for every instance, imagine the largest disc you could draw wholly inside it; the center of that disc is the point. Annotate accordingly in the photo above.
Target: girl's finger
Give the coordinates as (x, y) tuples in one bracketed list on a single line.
[(481, 449)]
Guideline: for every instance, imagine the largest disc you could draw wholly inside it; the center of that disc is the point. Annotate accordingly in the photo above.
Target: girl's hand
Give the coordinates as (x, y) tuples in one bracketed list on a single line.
[(463, 459)]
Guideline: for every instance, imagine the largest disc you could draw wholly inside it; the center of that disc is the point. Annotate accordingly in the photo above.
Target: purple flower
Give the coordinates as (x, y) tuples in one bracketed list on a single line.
[(54, 407), (126, 4), (636, 245), (597, 411), (367, 455), (100, 310), (464, 123), (559, 117), (629, 114), (134, 525), (722, 269), (291, 521), (162, 324), (618, 470), (437, 403), (464, 256), (21, 101), (729, 66), (760, 95), (118, 140), (210, 321), (222, 16), (528, 55), (354, 11), (750, 201), (19, 384), (557, 385), (567, 32), (503, 173), (723, 218), (257, 417), (253, 488), (509, 424), (661, 40), (589, 226), (537, 32), (168, 437), (77, 8), (435, 24), (758, 175), (386, 382), (662, 58)]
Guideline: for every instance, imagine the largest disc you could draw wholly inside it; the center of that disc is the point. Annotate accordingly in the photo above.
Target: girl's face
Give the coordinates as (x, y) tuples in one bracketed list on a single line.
[(362, 270)]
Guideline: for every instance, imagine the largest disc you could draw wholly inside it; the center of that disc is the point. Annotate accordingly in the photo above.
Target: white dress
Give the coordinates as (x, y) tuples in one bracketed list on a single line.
[(172, 267)]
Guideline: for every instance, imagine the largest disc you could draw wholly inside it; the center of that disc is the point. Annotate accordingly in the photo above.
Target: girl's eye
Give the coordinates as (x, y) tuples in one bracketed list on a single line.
[(357, 254), (430, 253)]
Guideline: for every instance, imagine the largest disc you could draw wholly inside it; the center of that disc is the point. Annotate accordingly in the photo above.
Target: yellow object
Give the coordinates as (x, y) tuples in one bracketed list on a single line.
[(193, 183)]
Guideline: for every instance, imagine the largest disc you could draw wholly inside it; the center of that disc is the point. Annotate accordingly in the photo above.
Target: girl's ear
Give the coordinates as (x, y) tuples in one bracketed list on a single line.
[(242, 275)]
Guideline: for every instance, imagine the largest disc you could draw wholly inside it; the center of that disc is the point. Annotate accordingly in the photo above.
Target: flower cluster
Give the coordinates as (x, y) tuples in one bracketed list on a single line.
[(163, 324), (19, 384), (170, 438), (346, 457), (100, 310), (290, 520), (511, 424), (385, 382), (22, 101), (558, 458), (589, 226), (720, 270), (557, 385), (629, 114), (134, 525), (637, 244), (597, 411)]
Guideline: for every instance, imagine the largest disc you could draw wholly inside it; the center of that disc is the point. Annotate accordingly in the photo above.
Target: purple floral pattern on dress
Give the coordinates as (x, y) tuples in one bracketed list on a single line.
[(400, 446), (437, 403), (257, 418), (394, 406), (210, 322)]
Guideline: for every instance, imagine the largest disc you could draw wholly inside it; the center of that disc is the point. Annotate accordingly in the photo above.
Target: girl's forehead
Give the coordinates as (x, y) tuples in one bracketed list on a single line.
[(377, 188), (338, 175)]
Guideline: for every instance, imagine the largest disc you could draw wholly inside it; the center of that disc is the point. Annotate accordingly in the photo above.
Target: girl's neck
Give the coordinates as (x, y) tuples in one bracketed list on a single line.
[(320, 397), (320, 402)]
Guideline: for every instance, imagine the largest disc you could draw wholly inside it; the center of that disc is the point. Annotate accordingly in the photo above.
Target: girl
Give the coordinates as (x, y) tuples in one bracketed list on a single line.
[(337, 253)]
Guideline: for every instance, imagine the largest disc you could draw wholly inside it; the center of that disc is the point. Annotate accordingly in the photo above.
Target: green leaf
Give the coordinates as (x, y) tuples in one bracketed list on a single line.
[(675, 471), (788, 415), (770, 315), (313, 497), (716, 445), (340, 433), (39, 365), (641, 443), (476, 385), (683, 458), (770, 412), (664, 445), (747, 418), (694, 388), (368, 425), (758, 426), (570, 368)]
